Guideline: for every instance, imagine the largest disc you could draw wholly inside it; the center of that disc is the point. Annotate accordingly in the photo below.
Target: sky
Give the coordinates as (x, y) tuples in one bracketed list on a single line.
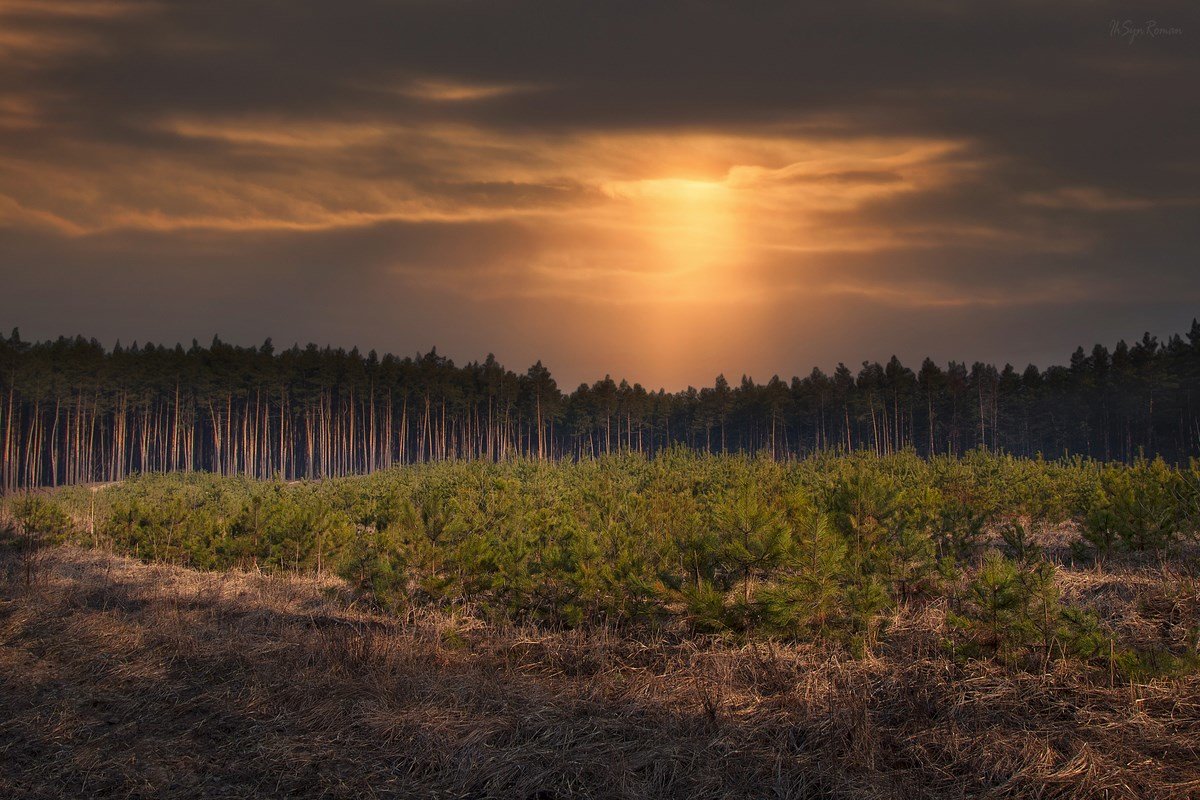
[(661, 191)]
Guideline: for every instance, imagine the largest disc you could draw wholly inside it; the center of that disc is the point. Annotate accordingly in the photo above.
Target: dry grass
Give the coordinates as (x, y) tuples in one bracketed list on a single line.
[(119, 679)]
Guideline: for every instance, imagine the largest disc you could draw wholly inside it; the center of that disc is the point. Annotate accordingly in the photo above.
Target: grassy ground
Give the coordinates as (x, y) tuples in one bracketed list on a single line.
[(119, 679)]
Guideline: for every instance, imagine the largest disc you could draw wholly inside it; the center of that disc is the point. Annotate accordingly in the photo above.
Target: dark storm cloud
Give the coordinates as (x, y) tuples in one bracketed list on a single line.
[(394, 156), (992, 71), (249, 284)]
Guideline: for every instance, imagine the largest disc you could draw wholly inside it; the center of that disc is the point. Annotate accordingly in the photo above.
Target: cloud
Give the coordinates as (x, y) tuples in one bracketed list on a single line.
[(656, 187)]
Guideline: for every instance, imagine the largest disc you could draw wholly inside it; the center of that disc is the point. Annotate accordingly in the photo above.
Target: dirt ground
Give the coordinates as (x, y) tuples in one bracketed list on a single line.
[(119, 679)]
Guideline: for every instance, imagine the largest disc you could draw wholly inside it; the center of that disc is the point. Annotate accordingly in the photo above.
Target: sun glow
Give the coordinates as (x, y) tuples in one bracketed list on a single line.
[(660, 246), (690, 231), (690, 228)]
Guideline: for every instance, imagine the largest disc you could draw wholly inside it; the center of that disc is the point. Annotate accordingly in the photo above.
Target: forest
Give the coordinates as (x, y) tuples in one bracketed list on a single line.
[(72, 411)]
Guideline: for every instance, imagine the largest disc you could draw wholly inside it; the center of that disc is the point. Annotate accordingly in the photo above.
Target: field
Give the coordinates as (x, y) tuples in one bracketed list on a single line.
[(686, 626)]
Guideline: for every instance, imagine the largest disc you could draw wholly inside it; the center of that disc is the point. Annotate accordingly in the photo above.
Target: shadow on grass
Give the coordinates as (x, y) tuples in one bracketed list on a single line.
[(124, 680)]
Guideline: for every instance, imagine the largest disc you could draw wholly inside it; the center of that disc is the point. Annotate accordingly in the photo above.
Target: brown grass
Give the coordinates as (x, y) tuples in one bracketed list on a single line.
[(119, 679)]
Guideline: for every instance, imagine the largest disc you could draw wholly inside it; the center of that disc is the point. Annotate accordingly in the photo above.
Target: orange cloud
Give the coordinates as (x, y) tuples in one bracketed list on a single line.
[(693, 237)]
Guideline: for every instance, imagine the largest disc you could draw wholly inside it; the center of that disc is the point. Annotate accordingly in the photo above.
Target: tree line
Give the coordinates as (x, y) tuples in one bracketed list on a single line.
[(72, 411)]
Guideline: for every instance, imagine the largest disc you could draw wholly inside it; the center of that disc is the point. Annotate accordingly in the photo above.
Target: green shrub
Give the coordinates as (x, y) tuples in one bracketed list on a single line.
[(1018, 539), (35, 522), (1140, 508), (753, 539), (820, 547), (1014, 612)]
